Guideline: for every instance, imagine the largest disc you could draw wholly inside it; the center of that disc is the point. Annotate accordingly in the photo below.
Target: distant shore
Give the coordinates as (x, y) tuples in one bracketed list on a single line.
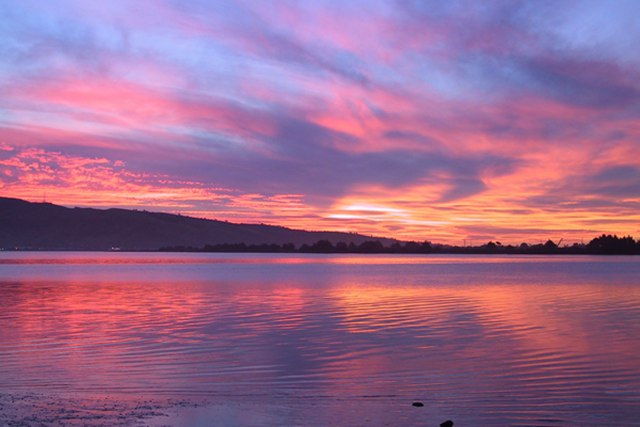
[(603, 245), (31, 226)]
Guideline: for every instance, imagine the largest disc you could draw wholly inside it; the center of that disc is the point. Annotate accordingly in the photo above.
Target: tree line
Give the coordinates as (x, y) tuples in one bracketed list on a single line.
[(605, 244)]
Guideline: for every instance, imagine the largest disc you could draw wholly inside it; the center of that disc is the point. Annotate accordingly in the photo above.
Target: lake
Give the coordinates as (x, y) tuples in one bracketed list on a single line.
[(279, 339)]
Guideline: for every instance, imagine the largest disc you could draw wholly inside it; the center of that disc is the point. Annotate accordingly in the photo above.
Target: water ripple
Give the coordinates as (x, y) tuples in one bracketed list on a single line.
[(500, 339)]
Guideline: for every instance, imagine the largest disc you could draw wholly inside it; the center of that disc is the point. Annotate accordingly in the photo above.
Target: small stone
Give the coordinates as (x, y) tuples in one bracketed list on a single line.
[(418, 404), (447, 423)]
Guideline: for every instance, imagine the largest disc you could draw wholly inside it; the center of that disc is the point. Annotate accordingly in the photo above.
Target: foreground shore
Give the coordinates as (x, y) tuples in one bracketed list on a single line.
[(55, 410), (36, 409)]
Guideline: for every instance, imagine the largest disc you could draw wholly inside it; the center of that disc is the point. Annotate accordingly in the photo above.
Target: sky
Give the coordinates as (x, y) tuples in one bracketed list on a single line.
[(456, 122)]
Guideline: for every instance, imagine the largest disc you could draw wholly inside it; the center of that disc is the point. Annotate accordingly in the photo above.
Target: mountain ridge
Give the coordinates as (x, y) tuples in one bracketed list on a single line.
[(46, 226)]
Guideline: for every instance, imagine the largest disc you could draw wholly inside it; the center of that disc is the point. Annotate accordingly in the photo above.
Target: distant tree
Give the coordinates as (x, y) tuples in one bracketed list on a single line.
[(342, 247), (490, 245), (412, 248), (613, 245), (371, 247), (396, 248), (550, 246), (305, 248), (426, 247), (322, 246)]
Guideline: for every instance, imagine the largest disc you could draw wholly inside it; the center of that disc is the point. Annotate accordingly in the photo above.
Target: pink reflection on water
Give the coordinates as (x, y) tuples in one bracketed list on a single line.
[(456, 334)]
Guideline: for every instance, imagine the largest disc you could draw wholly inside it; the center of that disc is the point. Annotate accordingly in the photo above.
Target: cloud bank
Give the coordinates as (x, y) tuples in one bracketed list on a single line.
[(418, 120)]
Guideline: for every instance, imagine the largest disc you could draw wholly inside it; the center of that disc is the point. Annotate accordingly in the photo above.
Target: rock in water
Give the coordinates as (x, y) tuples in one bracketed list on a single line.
[(418, 404), (447, 423)]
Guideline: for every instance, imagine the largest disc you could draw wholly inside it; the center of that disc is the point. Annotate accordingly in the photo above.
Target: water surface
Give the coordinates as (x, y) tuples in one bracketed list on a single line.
[(316, 339)]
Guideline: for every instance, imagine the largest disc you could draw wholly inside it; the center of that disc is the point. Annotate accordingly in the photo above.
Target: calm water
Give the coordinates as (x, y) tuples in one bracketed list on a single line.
[(483, 340)]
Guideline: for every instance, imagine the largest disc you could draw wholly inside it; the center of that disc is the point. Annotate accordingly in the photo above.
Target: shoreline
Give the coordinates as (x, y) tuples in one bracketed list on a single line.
[(27, 409)]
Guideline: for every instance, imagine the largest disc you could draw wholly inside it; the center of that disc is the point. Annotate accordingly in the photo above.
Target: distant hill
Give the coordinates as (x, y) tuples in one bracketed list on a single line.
[(29, 225)]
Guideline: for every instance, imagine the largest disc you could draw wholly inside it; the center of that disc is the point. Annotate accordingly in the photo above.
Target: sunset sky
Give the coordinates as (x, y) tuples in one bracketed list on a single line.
[(441, 120)]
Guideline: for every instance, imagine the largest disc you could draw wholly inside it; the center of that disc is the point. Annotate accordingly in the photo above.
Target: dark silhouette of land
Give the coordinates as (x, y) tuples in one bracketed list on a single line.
[(44, 226), (603, 245)]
